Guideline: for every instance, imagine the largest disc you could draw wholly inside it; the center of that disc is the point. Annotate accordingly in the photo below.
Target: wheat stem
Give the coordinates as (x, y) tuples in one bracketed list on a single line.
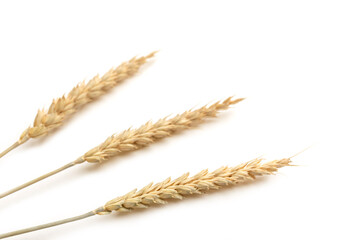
[(12, 147), (47, 225), (22, 186), (133, 139), (82, 94), (177, 189)]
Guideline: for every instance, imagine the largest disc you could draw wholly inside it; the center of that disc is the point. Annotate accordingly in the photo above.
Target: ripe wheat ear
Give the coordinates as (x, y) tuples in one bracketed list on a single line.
[(133, 139), (175, 189), (83, 93)]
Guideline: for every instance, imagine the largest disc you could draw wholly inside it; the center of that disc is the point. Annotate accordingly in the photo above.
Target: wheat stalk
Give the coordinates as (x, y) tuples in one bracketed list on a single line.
[(83, 93), (176, 189), (132, 139)]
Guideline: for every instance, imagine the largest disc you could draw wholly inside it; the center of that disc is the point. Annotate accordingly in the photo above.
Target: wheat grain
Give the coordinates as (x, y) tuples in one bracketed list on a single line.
[(83, 93), (175, 189), (133, 139)]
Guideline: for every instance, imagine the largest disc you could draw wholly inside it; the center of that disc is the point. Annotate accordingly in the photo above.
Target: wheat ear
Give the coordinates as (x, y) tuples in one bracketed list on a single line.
[(176, 189), (132, 139), (83, 93)]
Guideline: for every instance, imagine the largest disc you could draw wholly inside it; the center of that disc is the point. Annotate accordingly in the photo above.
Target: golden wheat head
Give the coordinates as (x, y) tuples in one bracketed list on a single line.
[(197, 184), (133, 139), (83, 93), (173, 189)]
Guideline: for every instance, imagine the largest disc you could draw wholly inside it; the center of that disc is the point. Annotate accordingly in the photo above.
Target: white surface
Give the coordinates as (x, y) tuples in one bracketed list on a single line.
[(297, 62)]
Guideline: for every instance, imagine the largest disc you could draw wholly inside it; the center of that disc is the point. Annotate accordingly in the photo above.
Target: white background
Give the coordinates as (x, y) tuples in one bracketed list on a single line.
[(296, 62)]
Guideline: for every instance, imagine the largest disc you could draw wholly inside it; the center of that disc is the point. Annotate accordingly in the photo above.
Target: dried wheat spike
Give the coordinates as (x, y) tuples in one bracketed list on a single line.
[(133, 139), (83, 93), (175, 189), (197, 184)]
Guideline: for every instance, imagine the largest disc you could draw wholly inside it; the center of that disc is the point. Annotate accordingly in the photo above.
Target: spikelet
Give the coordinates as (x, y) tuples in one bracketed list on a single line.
[(83, 93), (197, 184), (133, 139)]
